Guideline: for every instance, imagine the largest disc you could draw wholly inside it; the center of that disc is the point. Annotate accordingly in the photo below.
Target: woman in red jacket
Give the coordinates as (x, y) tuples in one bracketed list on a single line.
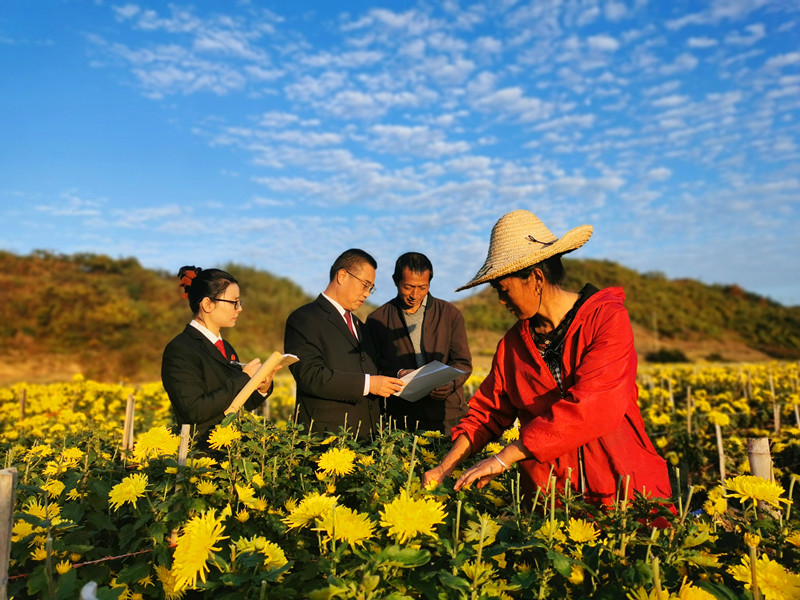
[(567, 370)]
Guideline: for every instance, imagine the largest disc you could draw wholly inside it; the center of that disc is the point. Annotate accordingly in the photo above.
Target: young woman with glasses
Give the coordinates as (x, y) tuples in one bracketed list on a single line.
[(200, 371)]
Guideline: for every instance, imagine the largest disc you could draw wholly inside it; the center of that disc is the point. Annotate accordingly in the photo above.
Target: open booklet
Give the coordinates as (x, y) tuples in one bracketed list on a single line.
[(267, 369), (421, 381)]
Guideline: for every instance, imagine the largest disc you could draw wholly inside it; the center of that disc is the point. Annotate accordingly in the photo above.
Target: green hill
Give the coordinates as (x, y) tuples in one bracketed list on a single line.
[(111, 318)]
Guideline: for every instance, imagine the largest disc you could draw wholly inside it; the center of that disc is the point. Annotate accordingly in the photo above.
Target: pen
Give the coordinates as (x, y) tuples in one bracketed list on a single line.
[(236, 362)]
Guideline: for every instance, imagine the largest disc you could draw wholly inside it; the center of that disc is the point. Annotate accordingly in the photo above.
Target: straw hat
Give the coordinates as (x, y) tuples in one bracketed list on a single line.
[(519, 239)]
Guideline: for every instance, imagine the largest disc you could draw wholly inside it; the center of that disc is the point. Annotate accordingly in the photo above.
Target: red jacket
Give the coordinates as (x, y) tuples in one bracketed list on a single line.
[(598, 416)]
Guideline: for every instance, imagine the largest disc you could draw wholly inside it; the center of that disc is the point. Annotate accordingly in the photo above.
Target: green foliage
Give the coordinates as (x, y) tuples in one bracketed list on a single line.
[(666, 355)]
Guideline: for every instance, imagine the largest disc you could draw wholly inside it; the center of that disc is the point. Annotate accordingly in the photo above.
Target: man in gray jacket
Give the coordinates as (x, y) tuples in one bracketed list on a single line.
[(413, 329)]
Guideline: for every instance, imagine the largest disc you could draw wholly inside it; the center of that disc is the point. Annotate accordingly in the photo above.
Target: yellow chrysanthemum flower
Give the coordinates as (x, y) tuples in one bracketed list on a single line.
[(346, 525), (257, 480), (794, 539), (329, 440), (493, 447), (750, 487), (690, 592), (366, 460), (510, 435), (551, 529), (129, 490), (158, 441), (313, 506), (54, 487), (39, 553), (245, 493), (74, 494), (774, 581), (222, 437), (576, 576), (274, 556), (167, 580), (752, 540), (582, 531), (259, 504), (406, 517), (716, 417), (337, 461), (204, 462), (194, 548), (63, 566), (243, 516), (206, 487), (41, 511), (21, 530), (716, 504), (472, 533), (433, 434)]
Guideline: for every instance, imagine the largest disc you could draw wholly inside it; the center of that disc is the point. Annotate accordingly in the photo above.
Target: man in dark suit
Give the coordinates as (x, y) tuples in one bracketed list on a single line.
[(337, 380)]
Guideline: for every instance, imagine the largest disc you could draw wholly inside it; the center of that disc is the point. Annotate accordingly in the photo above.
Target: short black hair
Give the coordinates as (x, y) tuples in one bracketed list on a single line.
[(351, 260), (552, 268), (416, 262)]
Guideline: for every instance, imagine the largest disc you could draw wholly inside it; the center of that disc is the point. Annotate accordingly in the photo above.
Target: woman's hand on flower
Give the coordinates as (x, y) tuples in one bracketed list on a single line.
[(483, 472)]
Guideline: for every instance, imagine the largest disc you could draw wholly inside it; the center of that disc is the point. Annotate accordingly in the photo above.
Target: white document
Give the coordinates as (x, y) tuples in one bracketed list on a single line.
[(420, 382)]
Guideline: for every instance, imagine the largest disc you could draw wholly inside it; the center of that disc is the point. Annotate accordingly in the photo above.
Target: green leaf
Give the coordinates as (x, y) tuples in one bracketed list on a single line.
[(228, 420), (134, 573), (561, 563), (453, 581), (67, 587), (395, 556)]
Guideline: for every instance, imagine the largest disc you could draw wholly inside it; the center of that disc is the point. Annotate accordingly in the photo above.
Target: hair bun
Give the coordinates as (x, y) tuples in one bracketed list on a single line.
[(186, 274)]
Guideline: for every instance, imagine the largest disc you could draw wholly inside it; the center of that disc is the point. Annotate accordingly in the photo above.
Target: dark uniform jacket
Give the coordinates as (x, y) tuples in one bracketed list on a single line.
[(330, 374), (444, 338), (200, 382)]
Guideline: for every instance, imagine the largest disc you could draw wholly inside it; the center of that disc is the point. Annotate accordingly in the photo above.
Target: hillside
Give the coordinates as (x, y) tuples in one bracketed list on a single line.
[(111, 318)]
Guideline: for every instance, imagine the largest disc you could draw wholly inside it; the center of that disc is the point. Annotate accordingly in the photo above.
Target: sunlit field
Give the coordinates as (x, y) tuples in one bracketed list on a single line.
[(272, 512)]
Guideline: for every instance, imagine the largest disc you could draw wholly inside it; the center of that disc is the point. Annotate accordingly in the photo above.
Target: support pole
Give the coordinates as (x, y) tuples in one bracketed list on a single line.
[(127, 430), (8, 493), (183, 450)]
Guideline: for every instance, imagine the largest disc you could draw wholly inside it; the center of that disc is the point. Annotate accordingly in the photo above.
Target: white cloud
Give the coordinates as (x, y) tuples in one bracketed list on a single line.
[(605, 43), (701, 42)]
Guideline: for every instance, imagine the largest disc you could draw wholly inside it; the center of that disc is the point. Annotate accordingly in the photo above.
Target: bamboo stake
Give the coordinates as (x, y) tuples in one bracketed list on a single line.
[(183, 449), (671, 396), (776, 409), (689, 410), (760, 460), (127, 429), (8, 491), (759, 457), (23, 401), (266, 408), (720, 452)]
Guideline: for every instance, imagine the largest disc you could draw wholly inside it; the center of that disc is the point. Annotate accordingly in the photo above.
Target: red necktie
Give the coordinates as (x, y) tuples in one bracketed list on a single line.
[(349, 320), (221, 347)]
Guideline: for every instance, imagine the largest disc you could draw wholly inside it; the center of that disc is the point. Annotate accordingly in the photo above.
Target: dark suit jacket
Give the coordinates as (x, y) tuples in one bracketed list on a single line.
[(330, 374), (200, 382), (444, 338)]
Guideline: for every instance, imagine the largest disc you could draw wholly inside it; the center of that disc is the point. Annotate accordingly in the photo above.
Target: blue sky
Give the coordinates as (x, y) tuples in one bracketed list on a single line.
[(279, 134)]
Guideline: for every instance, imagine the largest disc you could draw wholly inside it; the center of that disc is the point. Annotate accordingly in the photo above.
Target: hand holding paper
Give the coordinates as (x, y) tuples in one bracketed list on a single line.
[(264, 373), (420, 382)]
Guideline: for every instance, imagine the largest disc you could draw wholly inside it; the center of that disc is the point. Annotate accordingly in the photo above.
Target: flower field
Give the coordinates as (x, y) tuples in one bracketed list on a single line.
[(272, 512)]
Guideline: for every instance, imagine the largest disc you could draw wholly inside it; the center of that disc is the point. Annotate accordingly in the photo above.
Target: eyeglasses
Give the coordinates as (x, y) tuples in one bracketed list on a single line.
[(368, 286), (237, 304)]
